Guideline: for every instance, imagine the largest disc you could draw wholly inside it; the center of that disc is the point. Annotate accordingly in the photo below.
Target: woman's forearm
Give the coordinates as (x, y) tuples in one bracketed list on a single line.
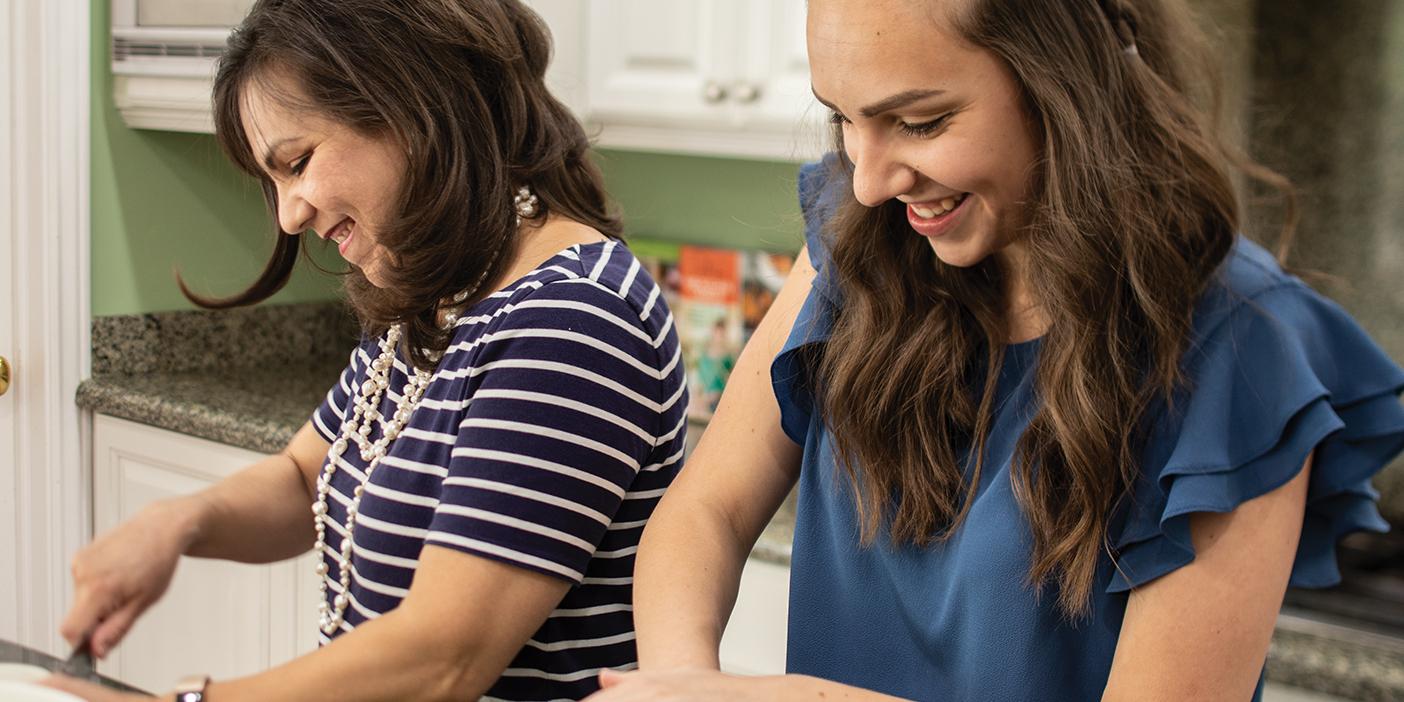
[(685, 583), (463, 622), (261, 514), (383, 660)]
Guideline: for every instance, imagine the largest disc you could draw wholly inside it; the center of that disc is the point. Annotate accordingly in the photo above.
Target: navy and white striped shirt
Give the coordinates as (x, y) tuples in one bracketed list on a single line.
[(545, 438)]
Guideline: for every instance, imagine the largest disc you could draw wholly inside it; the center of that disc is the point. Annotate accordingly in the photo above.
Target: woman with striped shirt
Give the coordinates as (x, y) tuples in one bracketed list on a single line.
[(477, 481)]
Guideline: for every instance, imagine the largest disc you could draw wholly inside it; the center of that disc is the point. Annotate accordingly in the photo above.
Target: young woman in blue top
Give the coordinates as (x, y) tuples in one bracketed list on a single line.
[(476, 484), (1059, 433)]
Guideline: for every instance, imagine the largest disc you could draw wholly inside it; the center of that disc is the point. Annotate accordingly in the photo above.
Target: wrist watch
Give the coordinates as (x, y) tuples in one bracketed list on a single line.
[(191, 688)]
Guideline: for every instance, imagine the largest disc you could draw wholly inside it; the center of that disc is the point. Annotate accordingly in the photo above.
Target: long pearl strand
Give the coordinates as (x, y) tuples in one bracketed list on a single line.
[(357, 428)]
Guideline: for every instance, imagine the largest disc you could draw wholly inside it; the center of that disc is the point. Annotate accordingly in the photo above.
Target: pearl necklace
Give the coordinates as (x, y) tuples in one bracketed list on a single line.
[(357, 428)]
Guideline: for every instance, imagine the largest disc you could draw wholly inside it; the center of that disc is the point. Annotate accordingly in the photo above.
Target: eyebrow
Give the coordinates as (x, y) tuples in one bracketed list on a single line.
[(881, 106)]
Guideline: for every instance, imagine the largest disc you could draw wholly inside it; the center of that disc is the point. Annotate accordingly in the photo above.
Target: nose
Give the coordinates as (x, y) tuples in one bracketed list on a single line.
[(879, 171), (295, 213)]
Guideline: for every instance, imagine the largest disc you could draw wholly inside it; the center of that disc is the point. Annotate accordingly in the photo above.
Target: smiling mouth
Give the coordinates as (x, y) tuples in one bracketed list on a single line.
[(932, 210), (341, 234)]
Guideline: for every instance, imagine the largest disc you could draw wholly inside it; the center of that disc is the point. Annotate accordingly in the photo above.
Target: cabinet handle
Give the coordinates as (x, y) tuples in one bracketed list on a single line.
[(747, 93), (4, 375), (713, 92)]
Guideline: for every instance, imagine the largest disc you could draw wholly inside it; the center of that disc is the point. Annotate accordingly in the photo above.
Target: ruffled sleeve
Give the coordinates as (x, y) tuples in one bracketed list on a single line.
[(1276, 372), (789, 373)]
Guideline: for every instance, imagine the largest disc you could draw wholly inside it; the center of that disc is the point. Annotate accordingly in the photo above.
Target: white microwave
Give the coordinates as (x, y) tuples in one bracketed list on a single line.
[(163, 59), (164, 53)]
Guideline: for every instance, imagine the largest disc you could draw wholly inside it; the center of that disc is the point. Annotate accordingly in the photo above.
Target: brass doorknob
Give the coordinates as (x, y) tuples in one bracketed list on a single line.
[(4, 375)]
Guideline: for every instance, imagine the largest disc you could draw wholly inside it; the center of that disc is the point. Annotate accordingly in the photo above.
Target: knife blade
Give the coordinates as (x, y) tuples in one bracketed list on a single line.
[(79, 663)]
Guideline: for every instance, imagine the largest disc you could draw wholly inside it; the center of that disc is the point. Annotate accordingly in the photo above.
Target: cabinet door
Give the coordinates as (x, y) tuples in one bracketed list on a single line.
[(776, 63), (654, 60), (754, 641), (566, 76), (221, 618)]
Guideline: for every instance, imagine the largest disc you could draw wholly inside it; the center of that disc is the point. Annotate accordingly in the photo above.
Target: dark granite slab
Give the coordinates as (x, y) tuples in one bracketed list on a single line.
[(11, 652), (248, 378), (1313, 652)]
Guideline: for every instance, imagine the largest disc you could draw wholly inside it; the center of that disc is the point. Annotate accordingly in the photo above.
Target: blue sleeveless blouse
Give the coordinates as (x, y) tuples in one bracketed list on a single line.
[(1277, 371)]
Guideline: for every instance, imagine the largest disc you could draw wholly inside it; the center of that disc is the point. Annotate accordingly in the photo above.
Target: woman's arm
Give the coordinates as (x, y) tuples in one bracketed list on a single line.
[(258, 515), (1201, 632), (1197, 634), (690, 558), (463, 620)]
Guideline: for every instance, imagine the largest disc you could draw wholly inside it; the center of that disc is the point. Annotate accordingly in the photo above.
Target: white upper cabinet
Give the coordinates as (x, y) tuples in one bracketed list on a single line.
[(651, 60), (719, 77), (712, 77)]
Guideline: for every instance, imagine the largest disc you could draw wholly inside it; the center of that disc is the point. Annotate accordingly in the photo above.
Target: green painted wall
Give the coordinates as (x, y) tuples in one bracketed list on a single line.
[(725, 202), (162, 200), (167, 200)]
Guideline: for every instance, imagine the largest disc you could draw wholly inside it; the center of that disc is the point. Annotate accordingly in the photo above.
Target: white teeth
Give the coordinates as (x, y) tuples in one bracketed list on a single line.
[(342, 234), (940, 208)]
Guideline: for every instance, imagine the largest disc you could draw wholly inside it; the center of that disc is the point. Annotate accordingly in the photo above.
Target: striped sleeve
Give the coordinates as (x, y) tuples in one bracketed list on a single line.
[(567, 396)]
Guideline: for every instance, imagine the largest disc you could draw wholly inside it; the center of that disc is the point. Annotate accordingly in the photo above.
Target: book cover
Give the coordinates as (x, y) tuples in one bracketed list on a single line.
[(764, 275), (710, 325)]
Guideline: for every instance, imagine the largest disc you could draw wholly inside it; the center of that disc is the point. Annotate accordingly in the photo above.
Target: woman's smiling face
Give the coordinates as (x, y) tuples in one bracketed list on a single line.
[(341, 184), (928, 120)]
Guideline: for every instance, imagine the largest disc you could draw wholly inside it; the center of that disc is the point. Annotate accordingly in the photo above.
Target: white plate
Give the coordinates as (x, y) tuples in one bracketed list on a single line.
[(21, 672), (11, 691)]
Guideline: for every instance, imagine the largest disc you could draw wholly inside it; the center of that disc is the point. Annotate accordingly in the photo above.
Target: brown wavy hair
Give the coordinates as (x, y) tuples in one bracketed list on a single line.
[(1132, 209), (461, 84)]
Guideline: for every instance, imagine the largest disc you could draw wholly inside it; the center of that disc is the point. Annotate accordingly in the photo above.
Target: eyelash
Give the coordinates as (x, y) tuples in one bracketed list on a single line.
[(299, 166), (913, 130), (925, 128)]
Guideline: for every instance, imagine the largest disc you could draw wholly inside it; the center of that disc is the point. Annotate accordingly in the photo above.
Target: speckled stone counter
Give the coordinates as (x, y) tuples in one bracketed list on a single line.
[(1340, 658), (248, 378)]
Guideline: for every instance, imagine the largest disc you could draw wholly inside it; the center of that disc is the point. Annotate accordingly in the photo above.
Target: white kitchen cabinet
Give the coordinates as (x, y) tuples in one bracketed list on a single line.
[(710, 77), (721, 77), (221, 618), (754, 642)]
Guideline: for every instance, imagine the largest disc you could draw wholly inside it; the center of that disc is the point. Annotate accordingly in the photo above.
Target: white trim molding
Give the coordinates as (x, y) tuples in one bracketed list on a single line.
[(45, 478)]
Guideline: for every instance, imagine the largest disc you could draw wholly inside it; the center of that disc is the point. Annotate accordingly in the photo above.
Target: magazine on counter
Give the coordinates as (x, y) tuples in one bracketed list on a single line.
[(718, 296)]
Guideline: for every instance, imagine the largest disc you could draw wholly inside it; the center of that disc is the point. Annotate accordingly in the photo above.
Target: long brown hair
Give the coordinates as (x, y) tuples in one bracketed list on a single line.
[(461, 83), (1132, 209)]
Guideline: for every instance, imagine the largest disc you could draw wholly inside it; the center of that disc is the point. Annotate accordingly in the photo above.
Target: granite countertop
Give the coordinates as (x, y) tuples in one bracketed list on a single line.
[(251, 378), (248, 378)]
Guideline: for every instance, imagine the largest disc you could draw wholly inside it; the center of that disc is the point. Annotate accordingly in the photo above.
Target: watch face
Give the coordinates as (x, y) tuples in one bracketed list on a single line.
[(188, 697)]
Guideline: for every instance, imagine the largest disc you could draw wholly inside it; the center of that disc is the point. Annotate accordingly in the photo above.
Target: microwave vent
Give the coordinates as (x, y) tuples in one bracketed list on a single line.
[(123, 49)]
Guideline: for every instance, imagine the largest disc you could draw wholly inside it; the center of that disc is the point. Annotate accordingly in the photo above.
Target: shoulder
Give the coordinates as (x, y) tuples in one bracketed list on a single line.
[(1250, 287), (602, 280), (1276, 373), (821, 186), (589, 306)]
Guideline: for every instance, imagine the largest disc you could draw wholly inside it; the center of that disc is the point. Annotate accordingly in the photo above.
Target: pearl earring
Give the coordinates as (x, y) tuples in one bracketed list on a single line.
[(524, 202)]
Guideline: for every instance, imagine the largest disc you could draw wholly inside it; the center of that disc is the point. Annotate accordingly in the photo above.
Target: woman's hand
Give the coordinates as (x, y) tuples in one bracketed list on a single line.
[(674, 685), (90, 691), (122, 573), (258, 515), (710, 685)]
